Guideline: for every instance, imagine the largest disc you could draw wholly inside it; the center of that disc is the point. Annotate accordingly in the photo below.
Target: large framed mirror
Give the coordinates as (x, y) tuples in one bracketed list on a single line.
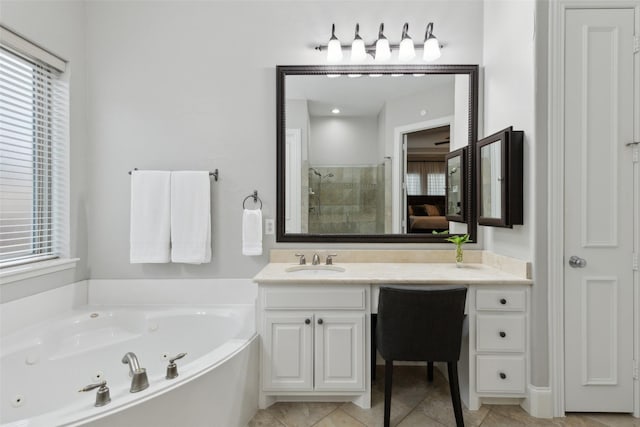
[(361, 151)]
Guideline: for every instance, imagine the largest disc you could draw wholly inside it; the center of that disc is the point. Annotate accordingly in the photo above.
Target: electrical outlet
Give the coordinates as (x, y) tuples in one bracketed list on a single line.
[(268, 226)]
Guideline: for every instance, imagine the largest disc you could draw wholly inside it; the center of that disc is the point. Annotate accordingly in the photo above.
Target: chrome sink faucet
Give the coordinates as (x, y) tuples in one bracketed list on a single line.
[(139, 380), (303, 260), (315, 260)]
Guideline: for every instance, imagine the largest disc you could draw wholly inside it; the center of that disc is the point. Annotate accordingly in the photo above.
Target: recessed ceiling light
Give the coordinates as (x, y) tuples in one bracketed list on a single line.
[(375, 75), (333, 76), (354, 75), (336, 111)]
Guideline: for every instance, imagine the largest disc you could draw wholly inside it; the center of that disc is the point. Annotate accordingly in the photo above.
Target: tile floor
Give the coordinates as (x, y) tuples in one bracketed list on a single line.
[(415, 402)]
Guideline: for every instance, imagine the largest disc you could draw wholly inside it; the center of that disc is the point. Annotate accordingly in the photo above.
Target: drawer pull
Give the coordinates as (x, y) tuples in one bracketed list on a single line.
[(503, 376), (307, 321), (503, 334), (320, 322), (503, 301)]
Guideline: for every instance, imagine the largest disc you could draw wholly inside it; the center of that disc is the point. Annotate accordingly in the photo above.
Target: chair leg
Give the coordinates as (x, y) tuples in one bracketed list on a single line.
[(452, 367), (388, 381), (430, 372)]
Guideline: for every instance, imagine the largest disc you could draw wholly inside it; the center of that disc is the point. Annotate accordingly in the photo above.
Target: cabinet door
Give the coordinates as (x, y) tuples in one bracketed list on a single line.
[(339, 352), (287, 362)]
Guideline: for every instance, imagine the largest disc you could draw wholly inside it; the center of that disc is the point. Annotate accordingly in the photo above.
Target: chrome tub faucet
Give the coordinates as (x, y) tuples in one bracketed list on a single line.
[(139, 380)]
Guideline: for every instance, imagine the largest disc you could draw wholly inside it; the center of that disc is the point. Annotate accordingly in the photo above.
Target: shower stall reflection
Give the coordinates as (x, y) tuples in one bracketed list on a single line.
[(346, 199)]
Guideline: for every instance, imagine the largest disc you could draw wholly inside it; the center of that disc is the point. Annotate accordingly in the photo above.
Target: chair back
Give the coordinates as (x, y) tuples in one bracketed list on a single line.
[(420, 325)]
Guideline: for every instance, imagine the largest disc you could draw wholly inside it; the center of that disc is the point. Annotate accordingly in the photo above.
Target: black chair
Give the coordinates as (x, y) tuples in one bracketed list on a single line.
[(421, 325)]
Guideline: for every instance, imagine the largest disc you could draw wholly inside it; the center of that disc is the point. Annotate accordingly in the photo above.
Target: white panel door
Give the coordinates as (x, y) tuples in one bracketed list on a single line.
[(288, 357), (339, 352), (599, 209)]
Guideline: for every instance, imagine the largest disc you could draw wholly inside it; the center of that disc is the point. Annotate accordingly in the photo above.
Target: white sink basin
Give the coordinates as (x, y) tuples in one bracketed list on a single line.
[(315, 270)]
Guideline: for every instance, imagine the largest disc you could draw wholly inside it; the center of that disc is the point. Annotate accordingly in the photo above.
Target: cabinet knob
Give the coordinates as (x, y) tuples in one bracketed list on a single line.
[(320, 322), (503, 334), (307, 321), (503, 301), (503, 376)]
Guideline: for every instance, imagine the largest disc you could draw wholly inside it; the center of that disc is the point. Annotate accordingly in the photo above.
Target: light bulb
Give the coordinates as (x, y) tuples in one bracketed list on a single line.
[(431, 49), (358, 49), (383, 50), (334, 49), (407, 50), (431, 45)]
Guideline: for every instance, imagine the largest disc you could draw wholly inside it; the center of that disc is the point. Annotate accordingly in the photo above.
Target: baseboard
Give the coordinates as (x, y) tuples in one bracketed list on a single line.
[(539, 402)]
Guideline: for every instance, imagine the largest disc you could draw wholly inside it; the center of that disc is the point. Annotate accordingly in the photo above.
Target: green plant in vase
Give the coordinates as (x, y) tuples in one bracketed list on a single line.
[(458, 240)]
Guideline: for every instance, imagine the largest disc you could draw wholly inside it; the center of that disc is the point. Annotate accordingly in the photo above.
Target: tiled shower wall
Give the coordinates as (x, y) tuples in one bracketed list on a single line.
[(348, 201)]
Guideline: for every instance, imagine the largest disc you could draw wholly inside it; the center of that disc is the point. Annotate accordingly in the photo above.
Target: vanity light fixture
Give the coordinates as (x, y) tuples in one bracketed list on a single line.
[(407, 50), (431, 45), (358, 48), (383, 50), (334, 49)]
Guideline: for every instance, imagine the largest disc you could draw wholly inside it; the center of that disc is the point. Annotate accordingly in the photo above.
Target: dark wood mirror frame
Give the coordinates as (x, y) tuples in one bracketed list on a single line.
[(462, 153), (511, 165), (282, 71)]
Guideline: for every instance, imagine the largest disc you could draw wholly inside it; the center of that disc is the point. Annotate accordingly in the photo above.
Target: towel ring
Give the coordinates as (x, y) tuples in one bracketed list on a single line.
[(255, 198)]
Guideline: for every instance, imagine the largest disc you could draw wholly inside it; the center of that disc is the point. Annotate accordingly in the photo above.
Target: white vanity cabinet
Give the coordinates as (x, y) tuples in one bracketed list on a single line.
[(499, 337), (314, 342)]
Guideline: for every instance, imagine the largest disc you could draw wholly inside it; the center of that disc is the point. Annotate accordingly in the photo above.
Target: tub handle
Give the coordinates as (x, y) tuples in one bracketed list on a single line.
[(103, 396), (177, 357), (172, 368)]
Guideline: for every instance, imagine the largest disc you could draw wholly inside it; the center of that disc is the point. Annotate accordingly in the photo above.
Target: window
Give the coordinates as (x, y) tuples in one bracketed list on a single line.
[(435, 184), (33, 154), (414, 184), (425, 178)]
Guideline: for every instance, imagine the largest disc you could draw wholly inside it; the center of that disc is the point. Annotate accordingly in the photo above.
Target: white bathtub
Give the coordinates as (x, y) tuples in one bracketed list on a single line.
[(43, 366)]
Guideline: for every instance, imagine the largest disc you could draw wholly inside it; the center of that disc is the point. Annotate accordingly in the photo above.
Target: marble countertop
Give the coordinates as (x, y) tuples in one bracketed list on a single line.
[(392, 273)]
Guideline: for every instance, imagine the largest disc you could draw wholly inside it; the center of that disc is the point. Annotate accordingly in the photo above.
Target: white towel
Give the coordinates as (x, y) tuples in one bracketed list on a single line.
[(150, 213), (252, 232), (190, 217)]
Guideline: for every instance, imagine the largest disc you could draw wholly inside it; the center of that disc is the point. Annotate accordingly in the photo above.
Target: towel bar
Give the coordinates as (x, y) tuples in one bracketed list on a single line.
[(215, 174), (255, 198)]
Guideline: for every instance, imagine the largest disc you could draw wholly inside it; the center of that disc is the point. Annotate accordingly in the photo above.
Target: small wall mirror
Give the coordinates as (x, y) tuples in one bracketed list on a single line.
[(361, 152), (500, 179), (455, 185)]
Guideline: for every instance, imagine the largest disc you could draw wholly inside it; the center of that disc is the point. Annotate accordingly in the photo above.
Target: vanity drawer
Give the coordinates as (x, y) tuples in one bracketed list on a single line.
[(500, 332), (329, 298), (501, 300), (500, 374)]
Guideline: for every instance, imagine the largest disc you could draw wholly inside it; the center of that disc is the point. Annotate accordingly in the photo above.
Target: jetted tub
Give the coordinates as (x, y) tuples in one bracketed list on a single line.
[(42, 367)]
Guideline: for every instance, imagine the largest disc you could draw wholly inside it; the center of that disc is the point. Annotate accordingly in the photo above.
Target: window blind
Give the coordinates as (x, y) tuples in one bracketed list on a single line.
[(34, 106)]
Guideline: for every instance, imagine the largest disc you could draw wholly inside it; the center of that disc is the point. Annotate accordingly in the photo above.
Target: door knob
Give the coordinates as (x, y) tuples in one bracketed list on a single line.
[(577, 262)]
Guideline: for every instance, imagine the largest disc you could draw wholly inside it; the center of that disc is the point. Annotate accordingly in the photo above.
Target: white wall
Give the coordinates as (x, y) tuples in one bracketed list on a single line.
[(171, 88), (510, 100), (59, 27), (191, 85), (343, 141), (437, 102)]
